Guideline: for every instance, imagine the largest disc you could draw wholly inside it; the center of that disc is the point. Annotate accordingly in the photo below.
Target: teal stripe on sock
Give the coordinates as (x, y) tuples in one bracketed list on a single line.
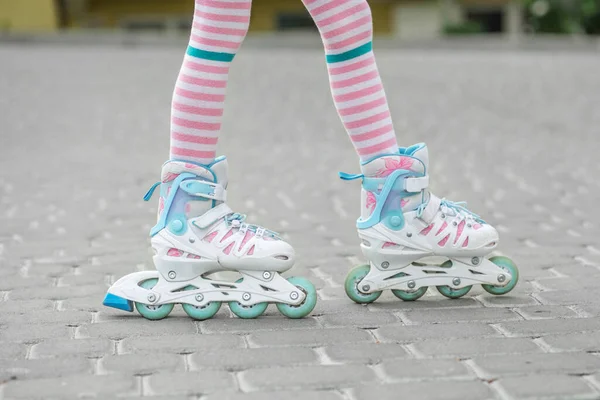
[(209, 55), (357, 52)]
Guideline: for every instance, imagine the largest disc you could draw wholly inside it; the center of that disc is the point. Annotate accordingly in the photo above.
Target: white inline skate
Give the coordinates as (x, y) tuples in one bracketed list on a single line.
[(197, 235), (402, 224)]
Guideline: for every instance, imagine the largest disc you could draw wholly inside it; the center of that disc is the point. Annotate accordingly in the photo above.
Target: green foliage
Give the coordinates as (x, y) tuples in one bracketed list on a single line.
[(464, 28), (561, 16)]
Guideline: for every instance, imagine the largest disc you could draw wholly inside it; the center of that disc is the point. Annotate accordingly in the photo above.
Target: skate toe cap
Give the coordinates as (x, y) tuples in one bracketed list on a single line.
[(485, 237)]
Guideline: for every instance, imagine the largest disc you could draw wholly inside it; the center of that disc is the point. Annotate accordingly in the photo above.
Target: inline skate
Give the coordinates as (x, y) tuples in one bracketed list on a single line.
[(197, 235), (402, 225)]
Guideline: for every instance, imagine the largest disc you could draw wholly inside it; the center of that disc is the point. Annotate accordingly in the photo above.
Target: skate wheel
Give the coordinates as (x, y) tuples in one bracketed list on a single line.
[(453, 293), (410, 296), (247, 312), (201, 313), (149, 311), (354, 277), (304, 308), (508, 265)]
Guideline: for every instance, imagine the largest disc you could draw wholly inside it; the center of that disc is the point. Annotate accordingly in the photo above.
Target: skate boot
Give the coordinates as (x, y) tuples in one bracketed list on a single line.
[(402, 224), (197, 235)]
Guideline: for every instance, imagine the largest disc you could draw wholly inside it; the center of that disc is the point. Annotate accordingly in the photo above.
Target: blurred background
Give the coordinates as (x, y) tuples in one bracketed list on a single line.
[(405, 19)]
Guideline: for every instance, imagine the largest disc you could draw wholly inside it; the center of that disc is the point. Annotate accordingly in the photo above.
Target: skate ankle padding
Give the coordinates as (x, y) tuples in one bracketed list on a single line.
[(211, 216), (205, 189)]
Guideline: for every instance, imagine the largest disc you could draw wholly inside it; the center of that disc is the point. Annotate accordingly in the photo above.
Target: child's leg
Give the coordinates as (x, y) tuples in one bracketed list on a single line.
[(347, 31), (219, 27)]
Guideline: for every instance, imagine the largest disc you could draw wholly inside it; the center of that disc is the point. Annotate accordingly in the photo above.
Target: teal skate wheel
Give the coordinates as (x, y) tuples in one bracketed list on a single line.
[(247, 312), (203, 312), (149, 311), (354, 277), (410, 296), (453, 293), (509, 266), (304, 308)]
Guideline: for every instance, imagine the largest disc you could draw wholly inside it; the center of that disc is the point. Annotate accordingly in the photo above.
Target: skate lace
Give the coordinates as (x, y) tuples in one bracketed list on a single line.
[(454, 208), (237, 220)]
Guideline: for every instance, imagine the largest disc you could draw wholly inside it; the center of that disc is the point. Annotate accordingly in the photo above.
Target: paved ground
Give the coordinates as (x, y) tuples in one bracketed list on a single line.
[(84, 131)]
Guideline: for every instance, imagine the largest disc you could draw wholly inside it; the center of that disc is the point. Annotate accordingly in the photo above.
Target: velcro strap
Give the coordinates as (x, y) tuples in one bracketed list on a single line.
[(431, 209), (212, 215), (415, 185), (206, 189)]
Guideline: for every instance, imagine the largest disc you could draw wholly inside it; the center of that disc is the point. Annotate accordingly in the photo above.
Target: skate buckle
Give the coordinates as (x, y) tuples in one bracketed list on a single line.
[(206, 189), (415, 185)]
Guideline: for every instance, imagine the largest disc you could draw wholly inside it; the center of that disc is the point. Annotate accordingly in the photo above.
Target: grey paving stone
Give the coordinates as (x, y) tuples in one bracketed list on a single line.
[(567, 297), (9, 350), (240, 359), (460, 315), (470, 347), (311, 377), (47, 316), (547, 386), (515, 364), (422, 369), (139, 327), (280, 395), (74, 386), (368, 353), (34, 332), (54, 348), (142, 364), (459, 390), (10, 306), (305, 337), (551, 326), (589, 341), (45, 368), (360, 320), (411, 333), (191, 383), (426, 302), (546, 312), (181, 344), (237, 325)]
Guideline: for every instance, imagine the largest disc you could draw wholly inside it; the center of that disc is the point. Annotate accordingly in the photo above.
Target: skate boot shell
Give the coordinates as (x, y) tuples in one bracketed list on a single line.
[(403, 227), (198, 235)]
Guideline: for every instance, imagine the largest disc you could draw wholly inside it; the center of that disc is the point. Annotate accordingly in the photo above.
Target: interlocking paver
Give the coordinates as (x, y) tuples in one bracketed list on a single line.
[(505, 134), (317, 377), (548, 386), (451, 390)]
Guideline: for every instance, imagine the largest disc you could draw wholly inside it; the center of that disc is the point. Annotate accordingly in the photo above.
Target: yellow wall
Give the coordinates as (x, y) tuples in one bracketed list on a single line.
[(263, 17), (28, 15)]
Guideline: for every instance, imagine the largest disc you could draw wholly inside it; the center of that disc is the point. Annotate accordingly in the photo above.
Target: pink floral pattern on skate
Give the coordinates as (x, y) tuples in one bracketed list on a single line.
[(174, 252), (444, 225), (371, 202), (251, 251), (209, 238), (169, 176), (426, 230), (388, 244), (194, 256), (404, 202), (459, 230), (161, 205), (466, 242), (249, 235), (394, 163), (477, 226), (442, 242), (228, 248)]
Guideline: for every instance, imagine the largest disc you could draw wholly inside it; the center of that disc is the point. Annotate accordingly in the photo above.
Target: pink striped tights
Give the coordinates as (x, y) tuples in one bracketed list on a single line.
[(219, 27)]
